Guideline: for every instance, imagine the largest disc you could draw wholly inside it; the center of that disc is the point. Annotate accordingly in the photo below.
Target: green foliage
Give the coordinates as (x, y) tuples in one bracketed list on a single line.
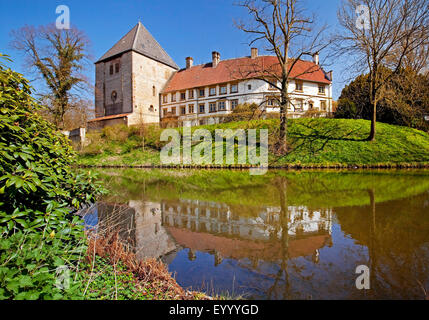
[(404, 100), (39, 191), (109, 282), (346, 109), (28, 264)]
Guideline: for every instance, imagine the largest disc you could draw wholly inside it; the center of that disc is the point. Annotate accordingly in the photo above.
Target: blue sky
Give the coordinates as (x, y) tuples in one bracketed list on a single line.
[(183, 28)]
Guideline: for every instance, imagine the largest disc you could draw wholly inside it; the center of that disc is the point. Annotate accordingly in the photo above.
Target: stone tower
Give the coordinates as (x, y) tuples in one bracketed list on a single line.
[(129, 78)]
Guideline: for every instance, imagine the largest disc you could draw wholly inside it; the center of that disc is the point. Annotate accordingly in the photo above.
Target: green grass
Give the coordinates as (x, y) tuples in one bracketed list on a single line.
[(310, 141)]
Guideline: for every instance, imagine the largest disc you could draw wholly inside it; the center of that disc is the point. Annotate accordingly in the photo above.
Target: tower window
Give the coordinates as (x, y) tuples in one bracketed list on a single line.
[(114, 96)]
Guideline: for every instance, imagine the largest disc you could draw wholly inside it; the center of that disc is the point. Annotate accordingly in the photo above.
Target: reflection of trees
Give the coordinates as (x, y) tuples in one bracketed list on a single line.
[(396, 235)]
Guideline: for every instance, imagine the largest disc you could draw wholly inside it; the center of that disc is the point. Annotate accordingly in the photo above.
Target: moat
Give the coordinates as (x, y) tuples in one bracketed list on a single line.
[(286, 235)]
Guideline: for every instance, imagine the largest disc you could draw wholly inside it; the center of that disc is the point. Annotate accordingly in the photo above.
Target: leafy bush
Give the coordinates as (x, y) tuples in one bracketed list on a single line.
[(39, 191)]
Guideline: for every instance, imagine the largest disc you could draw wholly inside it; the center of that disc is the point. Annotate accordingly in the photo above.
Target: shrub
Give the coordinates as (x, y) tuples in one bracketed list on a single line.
[(39, 191), (119, 133)]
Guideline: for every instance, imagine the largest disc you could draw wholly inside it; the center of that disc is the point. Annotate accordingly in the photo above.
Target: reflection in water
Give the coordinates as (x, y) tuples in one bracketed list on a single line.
[(284, 251)]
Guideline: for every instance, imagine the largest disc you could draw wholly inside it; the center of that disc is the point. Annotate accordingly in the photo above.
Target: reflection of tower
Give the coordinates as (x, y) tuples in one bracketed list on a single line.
[(152, 240)]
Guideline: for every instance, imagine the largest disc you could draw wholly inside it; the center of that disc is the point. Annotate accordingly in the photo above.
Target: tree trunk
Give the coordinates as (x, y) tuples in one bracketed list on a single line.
[(282, 143), (373, 121)]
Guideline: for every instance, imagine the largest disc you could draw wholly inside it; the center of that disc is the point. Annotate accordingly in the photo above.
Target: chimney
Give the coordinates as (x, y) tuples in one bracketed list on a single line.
[(253, 53), (189, 62), (316, 58), (215, 58)]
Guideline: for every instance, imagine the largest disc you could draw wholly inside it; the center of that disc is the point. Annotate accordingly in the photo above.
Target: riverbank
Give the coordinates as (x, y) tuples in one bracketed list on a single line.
[(313, 143), (112, 272)]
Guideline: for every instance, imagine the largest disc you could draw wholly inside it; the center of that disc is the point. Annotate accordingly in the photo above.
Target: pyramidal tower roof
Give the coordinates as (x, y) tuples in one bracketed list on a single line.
[(138, 39)]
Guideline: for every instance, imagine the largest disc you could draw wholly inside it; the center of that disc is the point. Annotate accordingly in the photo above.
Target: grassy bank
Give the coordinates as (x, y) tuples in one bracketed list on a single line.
[(112, 272), (318, 142)]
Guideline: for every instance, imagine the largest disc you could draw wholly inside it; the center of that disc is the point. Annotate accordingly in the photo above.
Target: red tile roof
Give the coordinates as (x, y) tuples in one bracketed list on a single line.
[(115, 116), (239, 69)]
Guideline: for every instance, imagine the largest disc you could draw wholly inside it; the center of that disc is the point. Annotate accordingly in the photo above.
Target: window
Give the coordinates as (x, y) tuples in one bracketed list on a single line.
[(212, 91), (323, 105), (234, 88), (165, 112), (182, 96), (153, 91), (299, 105), (191, 108), (271, 86), (151, 109), (321, 89), (202, 108), (173, 110), (114, 96), (249, 87), (212, 107), (191, 94), (298, 86), (164, 98), (183, 110), (201, 93), (221, 106), (271, 101), (173, 97), (111, 69), (116, 67), (222, 90), (234, 104)]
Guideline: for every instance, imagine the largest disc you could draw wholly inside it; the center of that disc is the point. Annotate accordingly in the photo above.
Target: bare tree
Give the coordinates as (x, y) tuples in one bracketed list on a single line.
[(58, 56), (382, 34), (289, 34)]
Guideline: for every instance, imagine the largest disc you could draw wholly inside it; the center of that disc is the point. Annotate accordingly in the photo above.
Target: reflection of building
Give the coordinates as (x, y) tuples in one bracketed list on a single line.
[(217, 228), (160, 229), (220, 219)]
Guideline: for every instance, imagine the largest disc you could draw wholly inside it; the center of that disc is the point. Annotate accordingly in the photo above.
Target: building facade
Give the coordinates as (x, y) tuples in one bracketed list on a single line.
[(137, 82), (129, 78)]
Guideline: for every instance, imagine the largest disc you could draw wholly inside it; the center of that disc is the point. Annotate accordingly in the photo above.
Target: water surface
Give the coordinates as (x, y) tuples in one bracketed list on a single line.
[(285, 235)]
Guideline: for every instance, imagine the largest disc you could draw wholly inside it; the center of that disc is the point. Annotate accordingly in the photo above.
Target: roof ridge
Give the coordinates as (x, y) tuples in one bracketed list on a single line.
[(156, 41)]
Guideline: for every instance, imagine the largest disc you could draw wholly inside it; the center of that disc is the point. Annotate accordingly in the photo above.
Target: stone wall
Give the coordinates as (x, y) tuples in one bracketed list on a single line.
[(149, 78)]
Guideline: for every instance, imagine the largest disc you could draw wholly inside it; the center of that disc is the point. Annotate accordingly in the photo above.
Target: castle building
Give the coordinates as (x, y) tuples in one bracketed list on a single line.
[(137, 82)]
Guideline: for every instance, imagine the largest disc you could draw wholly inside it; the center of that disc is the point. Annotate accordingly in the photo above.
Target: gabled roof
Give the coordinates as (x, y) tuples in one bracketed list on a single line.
[(138, 39), (241, 69)]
